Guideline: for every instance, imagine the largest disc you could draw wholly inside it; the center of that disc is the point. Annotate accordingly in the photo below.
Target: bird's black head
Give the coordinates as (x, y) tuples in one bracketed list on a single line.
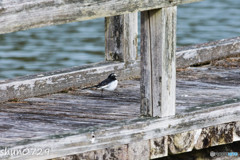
[(112, 76)]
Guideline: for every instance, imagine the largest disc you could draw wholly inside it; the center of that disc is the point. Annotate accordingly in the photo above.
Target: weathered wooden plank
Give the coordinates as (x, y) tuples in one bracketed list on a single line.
[(158, 69), (132, 131), (168, 93), (206, 52), (52, 82), (158, 29), (114, 35), (146, 68), (131, 37), (22, 15), (178, 143), (121, 37)]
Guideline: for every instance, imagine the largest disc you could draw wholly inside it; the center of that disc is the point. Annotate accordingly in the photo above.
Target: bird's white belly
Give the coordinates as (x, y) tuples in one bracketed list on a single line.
[(111, 86)]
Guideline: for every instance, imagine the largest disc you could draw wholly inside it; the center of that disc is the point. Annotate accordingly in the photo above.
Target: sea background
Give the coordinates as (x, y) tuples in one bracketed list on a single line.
[(75, 44)]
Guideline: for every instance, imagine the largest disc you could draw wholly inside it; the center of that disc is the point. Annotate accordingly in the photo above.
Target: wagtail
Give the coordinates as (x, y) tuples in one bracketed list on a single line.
[(109, 84)]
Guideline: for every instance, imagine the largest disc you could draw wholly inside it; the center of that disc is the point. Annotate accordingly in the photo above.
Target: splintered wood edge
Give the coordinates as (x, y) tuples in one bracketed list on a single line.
[(52, 82), (141, 130)]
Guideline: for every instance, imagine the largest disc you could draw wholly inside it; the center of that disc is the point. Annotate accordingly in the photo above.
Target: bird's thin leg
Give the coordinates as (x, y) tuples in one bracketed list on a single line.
[(116, 92), (101, 92)]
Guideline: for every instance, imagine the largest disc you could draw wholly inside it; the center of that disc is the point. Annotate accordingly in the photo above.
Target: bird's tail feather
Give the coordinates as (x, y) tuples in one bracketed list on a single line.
[(88, 87)]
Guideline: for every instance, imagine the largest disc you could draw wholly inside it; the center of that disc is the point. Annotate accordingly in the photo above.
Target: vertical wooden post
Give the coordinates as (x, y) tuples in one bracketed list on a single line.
[(158, 67), (121, 37)]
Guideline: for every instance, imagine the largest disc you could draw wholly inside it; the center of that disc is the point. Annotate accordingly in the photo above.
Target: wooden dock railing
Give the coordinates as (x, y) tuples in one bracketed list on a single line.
[(158, 37), (158, 69)]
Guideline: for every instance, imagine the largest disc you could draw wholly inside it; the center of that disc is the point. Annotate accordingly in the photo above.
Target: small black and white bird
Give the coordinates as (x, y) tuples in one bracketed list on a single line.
[(109, 84)]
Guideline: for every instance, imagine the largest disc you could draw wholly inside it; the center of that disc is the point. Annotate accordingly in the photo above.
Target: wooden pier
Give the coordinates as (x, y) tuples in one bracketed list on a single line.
[(169, 101)]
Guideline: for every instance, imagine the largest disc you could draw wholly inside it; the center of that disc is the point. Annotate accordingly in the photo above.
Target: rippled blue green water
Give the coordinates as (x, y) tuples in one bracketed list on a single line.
[(74, 44)]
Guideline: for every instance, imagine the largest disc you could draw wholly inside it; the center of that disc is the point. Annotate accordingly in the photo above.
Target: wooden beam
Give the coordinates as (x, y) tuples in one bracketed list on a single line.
[(128, 132), (158, 68), (169, 63), (121, 37), (27, 14), (146, 68)]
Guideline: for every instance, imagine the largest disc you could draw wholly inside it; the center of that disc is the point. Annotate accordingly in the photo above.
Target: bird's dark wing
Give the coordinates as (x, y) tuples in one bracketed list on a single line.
[(101, 84), (104, 82)]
